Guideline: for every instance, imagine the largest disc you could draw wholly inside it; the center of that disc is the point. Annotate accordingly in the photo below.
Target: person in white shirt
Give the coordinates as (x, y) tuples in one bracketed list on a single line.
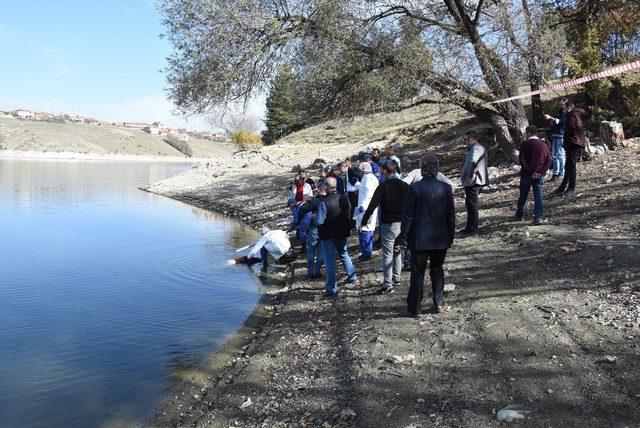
[(273, 242), (416, 175), (368, 186)]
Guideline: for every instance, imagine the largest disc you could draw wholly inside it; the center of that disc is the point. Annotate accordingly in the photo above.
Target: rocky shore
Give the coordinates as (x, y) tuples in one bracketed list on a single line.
[(544, 327)]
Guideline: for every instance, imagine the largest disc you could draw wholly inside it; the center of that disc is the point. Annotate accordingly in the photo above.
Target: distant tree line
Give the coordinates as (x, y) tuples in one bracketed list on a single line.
[(320, 59)]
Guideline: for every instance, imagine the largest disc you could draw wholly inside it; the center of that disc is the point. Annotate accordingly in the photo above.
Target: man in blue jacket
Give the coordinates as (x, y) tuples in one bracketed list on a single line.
[(428, 229)]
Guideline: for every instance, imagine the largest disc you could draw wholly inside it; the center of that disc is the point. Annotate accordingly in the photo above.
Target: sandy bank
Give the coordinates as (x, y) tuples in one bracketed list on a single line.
[(535, 311)]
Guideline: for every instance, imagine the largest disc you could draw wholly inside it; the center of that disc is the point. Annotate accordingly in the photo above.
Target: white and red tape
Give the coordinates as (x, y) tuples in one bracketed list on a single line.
[(606, 73)]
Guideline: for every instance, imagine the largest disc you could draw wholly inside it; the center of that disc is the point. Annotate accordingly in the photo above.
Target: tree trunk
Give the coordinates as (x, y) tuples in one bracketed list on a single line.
[(537, 115), (508, 134)]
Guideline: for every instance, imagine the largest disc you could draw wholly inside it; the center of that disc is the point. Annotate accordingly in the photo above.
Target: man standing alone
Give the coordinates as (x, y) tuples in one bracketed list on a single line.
[(535, 160), (428, 228), (334, 225), (474, 175)]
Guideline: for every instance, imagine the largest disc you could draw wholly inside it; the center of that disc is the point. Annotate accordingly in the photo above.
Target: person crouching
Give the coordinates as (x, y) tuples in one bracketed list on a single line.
[(274, 242)]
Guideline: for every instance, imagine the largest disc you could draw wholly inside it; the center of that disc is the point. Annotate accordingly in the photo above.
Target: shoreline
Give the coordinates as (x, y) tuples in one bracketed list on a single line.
[(218, 367), (303, 360), (72, 156)]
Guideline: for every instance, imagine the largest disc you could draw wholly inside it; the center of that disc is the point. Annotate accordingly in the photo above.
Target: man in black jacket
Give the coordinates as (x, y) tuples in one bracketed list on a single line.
[(352, 177), (428, 228), (390, 196), (315, 256), (334, 226)]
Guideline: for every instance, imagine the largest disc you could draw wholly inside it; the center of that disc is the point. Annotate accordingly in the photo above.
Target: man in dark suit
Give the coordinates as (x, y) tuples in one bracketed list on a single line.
[(428, 229)]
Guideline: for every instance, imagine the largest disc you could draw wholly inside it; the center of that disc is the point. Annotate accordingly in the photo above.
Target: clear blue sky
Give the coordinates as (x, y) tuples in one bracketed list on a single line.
[(98, 58)]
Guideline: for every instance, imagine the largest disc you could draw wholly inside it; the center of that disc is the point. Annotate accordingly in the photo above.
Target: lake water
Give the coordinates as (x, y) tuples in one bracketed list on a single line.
[(107, 292)]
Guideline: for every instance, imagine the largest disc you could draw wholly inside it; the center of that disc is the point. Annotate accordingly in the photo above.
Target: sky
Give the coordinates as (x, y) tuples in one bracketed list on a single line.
[(98, 58)]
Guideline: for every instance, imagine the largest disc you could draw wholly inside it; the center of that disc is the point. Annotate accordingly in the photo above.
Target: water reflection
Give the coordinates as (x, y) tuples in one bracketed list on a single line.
[(107, 293)]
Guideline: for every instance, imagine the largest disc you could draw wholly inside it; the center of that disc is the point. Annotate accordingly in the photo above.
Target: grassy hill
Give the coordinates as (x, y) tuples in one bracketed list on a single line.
[(21, 135)]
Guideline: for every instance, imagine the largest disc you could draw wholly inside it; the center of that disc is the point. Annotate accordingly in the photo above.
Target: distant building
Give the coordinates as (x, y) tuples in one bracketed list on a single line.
[(138, 125), (156, 128), (94, 121), (43, 116), (23, 114)]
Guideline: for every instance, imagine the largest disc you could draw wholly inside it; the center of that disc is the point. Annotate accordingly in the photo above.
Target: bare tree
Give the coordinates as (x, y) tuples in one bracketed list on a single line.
[(463, 51), (233, 120)]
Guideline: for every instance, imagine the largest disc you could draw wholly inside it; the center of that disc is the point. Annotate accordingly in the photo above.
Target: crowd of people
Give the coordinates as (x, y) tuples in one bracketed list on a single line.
[(412, 214)]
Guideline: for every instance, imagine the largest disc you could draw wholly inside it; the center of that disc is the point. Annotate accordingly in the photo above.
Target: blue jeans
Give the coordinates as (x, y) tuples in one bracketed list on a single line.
[(407, 258), (557, 155), (526, 182), (331, 247), (315, 255), (366, 243)]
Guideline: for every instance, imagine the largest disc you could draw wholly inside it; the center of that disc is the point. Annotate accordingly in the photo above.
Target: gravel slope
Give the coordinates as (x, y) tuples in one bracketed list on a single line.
[(545, 319)]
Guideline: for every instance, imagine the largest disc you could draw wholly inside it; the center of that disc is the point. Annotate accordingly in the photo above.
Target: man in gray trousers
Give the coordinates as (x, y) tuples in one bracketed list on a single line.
[(474, 175), (390, 197)]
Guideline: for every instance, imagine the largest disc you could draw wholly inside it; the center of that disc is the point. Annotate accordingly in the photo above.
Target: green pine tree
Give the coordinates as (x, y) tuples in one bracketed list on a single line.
[(283, 108)]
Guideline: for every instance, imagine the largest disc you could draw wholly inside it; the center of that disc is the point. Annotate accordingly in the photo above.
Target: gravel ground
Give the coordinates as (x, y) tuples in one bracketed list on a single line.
[(544, 320)]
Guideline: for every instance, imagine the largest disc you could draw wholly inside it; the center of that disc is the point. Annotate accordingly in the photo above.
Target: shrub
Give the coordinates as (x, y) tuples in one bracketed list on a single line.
[(179, 144), (246, 140)]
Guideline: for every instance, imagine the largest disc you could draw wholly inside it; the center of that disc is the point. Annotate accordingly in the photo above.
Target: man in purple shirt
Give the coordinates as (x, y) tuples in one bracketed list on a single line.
[(535, 160)]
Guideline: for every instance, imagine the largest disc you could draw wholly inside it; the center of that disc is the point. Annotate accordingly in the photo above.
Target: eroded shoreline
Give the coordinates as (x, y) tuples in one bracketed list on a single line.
[(535, 312)]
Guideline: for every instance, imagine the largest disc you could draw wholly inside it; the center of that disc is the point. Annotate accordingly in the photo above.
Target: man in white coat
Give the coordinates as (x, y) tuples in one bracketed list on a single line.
[(368, 186), (274, 242)]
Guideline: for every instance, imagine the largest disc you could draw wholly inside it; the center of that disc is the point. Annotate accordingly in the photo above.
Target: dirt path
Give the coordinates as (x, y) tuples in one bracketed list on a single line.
[(544, 318)]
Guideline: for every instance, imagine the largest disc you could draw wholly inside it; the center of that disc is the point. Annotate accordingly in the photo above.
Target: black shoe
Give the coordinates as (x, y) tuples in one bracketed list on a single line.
[(558, 192), (386, 290), (518, 218), (465, 233), (329, 295), (569, 192), (554, 177), (539, 221), (412, 314)]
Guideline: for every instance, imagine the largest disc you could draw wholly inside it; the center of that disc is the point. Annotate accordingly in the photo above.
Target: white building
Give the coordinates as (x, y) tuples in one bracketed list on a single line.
[(23, 114)]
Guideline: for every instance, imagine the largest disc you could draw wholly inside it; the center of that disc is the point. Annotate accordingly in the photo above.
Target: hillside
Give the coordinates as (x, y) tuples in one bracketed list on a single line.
[(85, 139), (544, 319)]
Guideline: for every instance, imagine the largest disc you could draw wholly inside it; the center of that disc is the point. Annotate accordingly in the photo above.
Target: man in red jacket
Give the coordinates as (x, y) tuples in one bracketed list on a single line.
[(535, 160)]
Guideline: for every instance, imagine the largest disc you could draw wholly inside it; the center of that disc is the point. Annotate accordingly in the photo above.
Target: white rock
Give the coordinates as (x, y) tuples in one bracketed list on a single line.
[(246, 403), (399, 359), (610, 359), (449, 287), (509, 414), (609, 247)]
